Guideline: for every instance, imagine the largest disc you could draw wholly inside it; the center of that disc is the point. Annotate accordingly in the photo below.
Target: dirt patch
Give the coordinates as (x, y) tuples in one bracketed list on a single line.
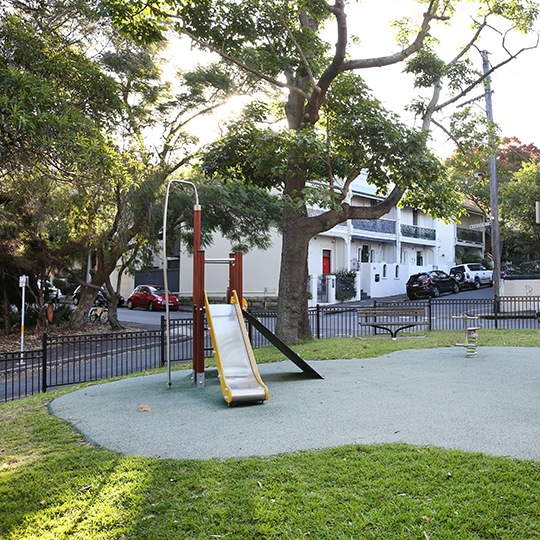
[(33, 339)]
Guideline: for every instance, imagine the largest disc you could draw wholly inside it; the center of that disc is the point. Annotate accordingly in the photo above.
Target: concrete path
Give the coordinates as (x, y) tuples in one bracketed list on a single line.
[(436, 397)]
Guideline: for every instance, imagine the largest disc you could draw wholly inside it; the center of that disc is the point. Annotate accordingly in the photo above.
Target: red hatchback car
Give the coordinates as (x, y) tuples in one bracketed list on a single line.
[(151, 297)]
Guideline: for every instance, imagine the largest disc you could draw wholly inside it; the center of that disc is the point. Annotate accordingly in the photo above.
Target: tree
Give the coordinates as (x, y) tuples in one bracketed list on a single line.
[(67, 188), (54, 107), (280, 43), (521, 233), (470, 169)]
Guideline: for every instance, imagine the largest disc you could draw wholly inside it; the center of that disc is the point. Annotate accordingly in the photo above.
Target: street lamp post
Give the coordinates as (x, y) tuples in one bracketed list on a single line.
[(494, 201), (196, 247)]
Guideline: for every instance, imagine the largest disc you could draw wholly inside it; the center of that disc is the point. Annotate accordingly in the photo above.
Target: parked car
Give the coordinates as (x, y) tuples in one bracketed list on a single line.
[(100, 297), (151, 297), (50, 292), (472, 274), (431, 283), (529, 267)]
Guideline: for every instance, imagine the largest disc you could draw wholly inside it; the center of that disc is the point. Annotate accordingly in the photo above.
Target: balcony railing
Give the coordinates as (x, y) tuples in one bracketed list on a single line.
[(422, 233), (375, 225), (466, 235)]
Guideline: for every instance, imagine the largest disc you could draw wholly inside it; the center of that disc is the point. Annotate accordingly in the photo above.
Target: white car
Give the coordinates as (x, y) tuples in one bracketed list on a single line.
[(51, 292), (472, 274)]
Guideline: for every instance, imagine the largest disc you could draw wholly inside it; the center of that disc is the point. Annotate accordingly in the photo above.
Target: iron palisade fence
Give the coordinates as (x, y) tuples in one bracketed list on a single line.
[(67, 360)]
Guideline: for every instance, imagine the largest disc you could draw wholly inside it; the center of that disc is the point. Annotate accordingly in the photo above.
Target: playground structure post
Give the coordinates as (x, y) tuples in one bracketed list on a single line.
[(198, 318), (235, 275), (235, 284)]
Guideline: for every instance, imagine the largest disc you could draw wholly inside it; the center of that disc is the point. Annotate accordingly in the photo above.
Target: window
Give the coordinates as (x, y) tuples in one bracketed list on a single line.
[(415, 217), (384, 271), (397, 271), (419, 258), (364, 257)]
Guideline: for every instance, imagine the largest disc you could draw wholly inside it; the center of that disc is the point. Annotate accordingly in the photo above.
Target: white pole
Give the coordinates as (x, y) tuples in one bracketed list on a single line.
[(538, 212), (165, 278)]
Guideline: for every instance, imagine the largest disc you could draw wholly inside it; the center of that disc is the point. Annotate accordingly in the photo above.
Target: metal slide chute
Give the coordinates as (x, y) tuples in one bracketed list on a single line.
[(238, 373)]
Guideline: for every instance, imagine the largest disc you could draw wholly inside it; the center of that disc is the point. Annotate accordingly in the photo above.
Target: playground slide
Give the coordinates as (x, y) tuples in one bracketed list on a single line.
[(239, 377)]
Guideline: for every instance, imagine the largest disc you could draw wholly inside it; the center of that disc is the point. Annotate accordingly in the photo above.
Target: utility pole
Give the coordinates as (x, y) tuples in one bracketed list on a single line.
[(494, 200)]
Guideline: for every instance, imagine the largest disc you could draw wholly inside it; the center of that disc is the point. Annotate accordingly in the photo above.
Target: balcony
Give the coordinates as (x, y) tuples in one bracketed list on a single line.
[(471, 236), (375, 225), (422, 233)]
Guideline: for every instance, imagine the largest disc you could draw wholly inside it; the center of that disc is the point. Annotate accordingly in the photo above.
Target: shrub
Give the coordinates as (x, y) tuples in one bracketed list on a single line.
[(345, 285)]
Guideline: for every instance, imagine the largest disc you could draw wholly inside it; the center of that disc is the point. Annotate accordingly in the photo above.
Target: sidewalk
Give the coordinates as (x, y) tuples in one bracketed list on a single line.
[(434, 397)]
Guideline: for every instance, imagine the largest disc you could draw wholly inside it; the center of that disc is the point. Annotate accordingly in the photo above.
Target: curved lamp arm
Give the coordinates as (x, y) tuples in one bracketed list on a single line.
[(165, 278)]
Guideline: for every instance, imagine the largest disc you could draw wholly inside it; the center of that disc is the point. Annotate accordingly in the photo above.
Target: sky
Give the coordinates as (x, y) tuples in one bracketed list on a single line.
[(514, 86), (515, 106)]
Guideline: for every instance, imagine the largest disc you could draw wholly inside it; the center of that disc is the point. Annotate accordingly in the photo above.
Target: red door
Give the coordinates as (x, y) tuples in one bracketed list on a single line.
[(326, 261)]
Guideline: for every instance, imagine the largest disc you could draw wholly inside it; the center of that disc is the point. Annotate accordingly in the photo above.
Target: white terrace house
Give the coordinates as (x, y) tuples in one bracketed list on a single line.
[(383, 253), (386, 251)]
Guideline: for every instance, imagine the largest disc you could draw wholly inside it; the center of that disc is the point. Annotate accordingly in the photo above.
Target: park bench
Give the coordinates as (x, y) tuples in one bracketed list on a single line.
[(392, 319)]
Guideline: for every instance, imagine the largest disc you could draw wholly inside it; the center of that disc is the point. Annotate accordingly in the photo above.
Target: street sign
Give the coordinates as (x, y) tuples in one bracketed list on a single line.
[(479, 225)]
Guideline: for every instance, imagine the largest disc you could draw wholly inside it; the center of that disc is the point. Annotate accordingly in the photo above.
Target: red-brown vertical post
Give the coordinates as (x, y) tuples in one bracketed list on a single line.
[(235, 274), (198, 300), (196, 228), (198, 318)]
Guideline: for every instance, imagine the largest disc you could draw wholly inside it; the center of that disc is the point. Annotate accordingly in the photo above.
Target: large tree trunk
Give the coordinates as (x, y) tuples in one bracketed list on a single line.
[(292, 317), (80, 316), (7, 313)]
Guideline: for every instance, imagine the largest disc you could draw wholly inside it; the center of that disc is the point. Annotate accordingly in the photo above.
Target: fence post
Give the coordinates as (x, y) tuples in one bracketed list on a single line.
[(162, 339), (44, 363), (496, 307), (429, 314), (250, 328), (318, 321)]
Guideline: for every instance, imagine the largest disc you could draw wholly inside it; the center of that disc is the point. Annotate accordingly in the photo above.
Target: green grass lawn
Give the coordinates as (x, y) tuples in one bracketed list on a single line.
[(53, 485)]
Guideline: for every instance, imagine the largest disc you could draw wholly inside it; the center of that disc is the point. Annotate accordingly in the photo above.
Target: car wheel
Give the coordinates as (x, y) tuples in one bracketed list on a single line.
[(412, 296), (456, 288), (436, 293), (151, 306), (477, 284), (459, 277), (130, 304)]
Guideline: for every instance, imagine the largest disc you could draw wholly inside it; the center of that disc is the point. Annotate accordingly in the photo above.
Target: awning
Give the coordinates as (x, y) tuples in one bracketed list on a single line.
[(371, 239)]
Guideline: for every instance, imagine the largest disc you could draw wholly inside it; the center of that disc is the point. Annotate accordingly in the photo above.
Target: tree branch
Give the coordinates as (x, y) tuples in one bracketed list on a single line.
[(230, 58), (415, 46), (327, 220), (484, 77), (452, 138), (298, 48)]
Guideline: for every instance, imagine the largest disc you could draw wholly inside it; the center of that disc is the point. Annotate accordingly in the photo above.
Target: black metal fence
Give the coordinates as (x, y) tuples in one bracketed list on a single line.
[(66, 360), (442, 314)]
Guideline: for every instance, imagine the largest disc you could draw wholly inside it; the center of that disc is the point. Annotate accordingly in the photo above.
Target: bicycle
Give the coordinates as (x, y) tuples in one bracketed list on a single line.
[(99, 312)]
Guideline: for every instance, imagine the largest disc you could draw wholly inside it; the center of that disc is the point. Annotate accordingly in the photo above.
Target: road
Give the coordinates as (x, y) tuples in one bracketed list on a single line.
[(149, 320)]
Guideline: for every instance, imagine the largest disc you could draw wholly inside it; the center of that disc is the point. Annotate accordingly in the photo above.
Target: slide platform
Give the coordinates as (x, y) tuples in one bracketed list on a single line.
[(238, 373)]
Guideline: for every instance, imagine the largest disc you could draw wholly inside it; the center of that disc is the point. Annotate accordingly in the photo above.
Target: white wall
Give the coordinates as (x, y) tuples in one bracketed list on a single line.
[(261, 269), (447, 250), (520, 287)]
